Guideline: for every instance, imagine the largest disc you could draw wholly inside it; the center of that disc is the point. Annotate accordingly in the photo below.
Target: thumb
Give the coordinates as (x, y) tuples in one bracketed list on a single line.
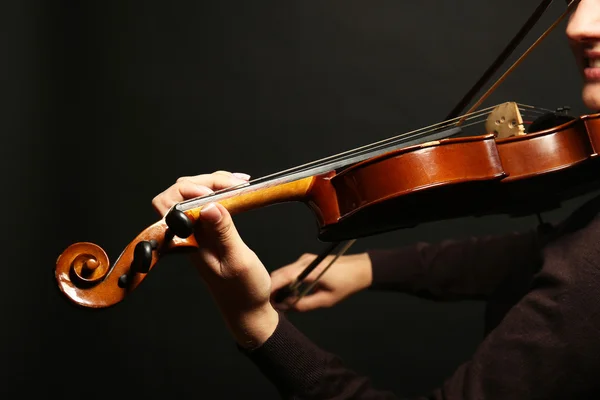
[(217, 232)]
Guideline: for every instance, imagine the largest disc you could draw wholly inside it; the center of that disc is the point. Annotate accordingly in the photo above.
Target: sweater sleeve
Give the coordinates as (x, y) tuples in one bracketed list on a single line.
[(545, 347), (468, 269), (300, 369)]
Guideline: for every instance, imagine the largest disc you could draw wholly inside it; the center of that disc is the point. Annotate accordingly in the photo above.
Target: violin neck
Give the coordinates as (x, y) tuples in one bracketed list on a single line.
[(259, 196)]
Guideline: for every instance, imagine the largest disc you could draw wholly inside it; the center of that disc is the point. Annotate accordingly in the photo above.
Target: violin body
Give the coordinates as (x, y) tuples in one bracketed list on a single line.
[(460, 177)]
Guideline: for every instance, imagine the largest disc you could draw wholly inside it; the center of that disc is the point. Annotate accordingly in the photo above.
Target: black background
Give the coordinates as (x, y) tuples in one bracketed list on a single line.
[(106, 104)]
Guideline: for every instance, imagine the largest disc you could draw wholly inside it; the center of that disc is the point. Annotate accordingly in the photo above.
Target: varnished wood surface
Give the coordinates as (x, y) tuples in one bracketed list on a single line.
[(544, 152), (418, 168), (290, 191), (104, 289)]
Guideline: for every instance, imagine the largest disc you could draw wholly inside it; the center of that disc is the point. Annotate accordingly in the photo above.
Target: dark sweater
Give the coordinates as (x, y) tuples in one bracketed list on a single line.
[(542, 319)]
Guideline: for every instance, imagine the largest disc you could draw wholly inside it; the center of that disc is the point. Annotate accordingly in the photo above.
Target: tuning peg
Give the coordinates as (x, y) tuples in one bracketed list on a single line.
[(142, 260), (179, 224), (142, 257)]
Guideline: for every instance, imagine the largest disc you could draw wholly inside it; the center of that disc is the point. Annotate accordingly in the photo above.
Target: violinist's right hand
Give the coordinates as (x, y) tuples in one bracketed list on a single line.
[(348, 275)]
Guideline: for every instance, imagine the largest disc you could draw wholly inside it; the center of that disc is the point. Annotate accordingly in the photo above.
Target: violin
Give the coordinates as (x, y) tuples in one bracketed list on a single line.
[(516, 167)]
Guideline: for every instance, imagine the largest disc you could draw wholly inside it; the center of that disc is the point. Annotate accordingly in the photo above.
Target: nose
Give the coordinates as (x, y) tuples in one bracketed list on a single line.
[(584, 24)]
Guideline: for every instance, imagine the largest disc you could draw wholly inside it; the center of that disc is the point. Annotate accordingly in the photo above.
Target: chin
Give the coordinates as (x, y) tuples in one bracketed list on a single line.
[(591, 96)]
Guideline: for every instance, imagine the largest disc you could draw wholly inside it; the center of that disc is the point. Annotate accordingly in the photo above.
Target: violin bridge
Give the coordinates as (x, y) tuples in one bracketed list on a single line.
[(505, 121)]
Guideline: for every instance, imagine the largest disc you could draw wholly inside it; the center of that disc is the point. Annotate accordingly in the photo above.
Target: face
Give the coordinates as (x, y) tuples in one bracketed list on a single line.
[(583, 31)]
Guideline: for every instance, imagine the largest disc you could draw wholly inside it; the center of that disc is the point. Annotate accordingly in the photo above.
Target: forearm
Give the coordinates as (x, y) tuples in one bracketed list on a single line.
[(455, 269), (300, 369), (545, 346)]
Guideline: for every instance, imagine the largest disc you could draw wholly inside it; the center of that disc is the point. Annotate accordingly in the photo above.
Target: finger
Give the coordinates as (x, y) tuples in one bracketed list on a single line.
[(282, 277), (288, 273), (239, 175), (177, 193), (242, 176), (189, 187), (319, 299), (215, 181)]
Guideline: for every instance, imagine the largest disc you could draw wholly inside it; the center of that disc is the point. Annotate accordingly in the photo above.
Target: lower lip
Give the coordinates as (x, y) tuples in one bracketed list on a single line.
[(592, 74)]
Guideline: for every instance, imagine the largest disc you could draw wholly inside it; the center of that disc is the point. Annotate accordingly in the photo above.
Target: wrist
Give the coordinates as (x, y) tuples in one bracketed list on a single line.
[(252, 328), (364, 270)]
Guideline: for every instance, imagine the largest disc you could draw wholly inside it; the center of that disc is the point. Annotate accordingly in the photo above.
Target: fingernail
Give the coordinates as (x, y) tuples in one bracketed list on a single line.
[(238, 181), (210, 213), (241, 175), (204, 190)]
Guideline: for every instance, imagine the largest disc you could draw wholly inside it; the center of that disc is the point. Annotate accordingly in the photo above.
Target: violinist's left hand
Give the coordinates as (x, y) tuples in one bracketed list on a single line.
[(236, 278)]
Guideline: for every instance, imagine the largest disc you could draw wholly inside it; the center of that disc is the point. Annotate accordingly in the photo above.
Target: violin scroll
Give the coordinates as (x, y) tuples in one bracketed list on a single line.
[(84, 273), (88, 262)]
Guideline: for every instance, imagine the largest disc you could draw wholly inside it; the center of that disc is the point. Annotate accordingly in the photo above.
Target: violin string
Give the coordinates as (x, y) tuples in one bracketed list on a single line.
[(417, 133), (540, 110), (382, 146), (397, 139), (369, 148), (376, 145)]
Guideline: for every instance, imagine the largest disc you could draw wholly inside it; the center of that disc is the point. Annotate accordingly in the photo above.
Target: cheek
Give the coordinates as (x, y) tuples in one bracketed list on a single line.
[(591, 96)]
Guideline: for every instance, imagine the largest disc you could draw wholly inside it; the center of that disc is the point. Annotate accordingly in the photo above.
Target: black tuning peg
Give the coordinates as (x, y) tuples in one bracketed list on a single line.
[(179, 224), (142, 257), (142, 260)]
